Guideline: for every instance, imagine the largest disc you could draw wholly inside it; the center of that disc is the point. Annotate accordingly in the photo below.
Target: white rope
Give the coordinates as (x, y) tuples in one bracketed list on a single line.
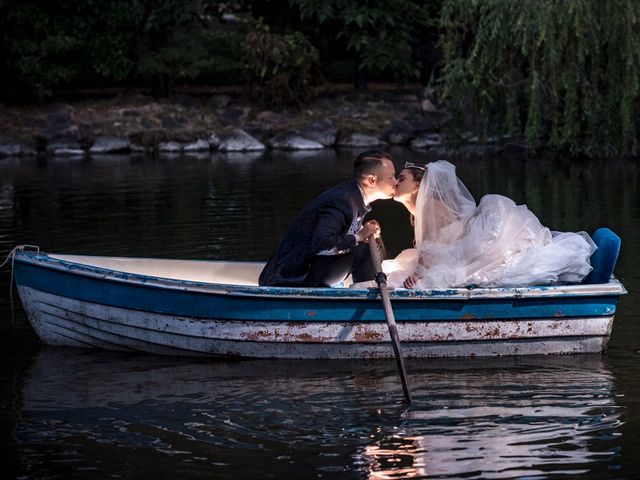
[(12, 256)]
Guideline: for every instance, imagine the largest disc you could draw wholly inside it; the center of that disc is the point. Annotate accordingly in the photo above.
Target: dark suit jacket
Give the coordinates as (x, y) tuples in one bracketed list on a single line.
[(326, 226)]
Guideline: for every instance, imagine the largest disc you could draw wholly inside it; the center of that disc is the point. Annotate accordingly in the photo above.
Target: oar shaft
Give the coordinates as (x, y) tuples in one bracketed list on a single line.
[(391, 321), (395, 341)]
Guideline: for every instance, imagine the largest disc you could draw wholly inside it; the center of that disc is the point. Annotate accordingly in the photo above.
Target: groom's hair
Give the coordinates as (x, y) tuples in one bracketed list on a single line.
[(368, 161)]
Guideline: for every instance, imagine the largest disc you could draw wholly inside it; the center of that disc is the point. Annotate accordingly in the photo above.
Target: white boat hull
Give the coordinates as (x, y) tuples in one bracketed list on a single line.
[(65, 321)]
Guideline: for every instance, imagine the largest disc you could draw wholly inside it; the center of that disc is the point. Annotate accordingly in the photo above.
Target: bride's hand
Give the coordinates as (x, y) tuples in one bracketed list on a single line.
[(410, 281)]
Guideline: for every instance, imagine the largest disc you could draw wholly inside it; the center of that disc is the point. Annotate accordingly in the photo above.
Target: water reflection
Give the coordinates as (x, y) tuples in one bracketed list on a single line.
[(533, 417), (499, 418), (237, 157)]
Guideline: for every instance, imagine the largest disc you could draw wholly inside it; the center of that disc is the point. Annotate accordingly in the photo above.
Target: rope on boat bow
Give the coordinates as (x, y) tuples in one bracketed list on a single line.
[(12, 257)]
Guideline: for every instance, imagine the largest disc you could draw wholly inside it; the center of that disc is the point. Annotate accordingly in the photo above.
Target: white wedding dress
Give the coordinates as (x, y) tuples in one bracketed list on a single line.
[(496, 243)]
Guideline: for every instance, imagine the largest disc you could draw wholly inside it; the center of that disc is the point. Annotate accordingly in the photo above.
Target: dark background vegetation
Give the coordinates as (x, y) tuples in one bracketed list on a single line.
[(560, 74)]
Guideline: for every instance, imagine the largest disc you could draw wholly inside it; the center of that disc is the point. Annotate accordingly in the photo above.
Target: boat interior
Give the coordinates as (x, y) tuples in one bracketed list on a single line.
[(246, 273), (235, 273)]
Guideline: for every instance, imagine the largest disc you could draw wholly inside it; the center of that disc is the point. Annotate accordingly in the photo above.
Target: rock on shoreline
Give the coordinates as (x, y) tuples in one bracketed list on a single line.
[(201, 124)]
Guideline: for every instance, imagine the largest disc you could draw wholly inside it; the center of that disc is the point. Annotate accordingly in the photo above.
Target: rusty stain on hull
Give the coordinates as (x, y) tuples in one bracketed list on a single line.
[(364, 335), (295, 333)]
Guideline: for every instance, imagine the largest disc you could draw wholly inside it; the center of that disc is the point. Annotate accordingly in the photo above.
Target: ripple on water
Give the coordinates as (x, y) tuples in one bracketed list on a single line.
[(489, 419)]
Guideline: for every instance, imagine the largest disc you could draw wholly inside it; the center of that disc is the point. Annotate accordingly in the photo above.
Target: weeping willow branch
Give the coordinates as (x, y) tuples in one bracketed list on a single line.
[(561, 73)]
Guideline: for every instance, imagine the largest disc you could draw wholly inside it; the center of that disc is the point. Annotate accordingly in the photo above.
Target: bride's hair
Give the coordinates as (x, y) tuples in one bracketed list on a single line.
[(417, 172)]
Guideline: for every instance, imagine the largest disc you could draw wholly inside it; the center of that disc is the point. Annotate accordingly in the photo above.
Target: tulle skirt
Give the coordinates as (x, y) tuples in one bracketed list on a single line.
[(501, 244)]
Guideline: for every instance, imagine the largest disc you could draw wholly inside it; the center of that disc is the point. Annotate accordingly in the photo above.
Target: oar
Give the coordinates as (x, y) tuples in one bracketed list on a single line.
[(381, 280)]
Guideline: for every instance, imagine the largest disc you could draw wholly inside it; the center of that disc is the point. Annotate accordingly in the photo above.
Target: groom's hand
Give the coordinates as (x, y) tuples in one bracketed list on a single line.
[(372, 227)]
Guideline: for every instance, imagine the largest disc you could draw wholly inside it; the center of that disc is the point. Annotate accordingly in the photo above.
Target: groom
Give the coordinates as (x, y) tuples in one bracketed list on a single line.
[(327, 241)]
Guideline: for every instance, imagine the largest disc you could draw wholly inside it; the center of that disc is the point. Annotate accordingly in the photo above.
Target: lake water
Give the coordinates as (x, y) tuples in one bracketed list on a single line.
[(68, 413)]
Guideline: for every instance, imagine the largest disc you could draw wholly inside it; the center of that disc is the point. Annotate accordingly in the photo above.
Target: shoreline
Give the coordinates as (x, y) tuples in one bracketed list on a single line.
[(226, 119)]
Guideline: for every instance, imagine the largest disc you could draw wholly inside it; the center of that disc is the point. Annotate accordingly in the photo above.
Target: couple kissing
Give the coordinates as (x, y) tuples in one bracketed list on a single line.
[(458, 243)]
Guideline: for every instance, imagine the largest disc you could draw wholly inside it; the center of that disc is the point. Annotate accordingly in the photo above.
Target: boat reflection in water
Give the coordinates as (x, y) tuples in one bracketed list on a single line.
[(534, 417), (105, 413)]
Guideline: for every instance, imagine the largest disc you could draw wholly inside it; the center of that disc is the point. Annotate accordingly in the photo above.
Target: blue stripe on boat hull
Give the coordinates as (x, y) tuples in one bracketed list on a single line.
[(178, 301)]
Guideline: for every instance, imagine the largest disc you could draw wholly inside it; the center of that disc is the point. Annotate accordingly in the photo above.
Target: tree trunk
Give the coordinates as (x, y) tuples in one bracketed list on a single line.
[(360, 80)]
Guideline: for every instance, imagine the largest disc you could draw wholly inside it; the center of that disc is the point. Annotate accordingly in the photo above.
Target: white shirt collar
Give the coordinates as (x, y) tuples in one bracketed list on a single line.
[(364, 196)]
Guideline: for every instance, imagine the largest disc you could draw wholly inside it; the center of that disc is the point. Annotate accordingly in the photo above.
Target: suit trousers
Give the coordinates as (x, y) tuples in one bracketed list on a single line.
[(328, 270)]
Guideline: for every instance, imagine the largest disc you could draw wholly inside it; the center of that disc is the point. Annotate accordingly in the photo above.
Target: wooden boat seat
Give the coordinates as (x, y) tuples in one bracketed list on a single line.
[(605, 257)]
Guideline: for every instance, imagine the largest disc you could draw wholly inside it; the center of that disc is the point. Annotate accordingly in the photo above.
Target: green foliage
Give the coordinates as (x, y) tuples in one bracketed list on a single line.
[(28, 55), (106, 34), (51, 44), (178, 42), (562, 72), (281, 67), (379, 33), (58, 44)]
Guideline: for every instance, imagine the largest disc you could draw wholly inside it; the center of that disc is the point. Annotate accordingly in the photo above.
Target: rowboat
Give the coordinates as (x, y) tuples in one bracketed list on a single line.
[(216, 308)]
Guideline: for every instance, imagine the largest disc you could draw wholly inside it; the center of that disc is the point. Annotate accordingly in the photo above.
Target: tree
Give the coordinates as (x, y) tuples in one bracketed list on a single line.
[(281, 67), (378, 33), (180, 40), (55, 44), (49, 44), (562, 72)]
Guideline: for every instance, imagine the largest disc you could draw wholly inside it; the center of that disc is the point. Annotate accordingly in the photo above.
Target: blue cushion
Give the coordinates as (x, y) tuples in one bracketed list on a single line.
[(605, 257)]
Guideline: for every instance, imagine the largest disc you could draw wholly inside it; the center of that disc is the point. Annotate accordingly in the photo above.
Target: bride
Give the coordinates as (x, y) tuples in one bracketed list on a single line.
[(496, 243)]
